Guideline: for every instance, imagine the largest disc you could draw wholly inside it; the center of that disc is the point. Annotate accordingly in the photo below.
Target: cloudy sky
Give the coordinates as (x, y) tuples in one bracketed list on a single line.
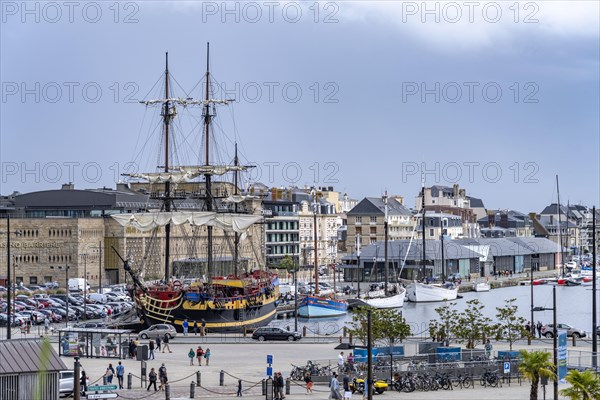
[(497, 96)]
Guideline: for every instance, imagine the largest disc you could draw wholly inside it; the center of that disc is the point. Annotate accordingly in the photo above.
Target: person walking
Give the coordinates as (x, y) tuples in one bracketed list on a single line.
[(191, 355), (157, 342), (341, 362), (186, 326), (83, 381), (109, 374), (162, 375), (196, 329), (207, 356), (309, 382), (239, 391), (539, 327), (199, 355), (152, 379), (120, 374), (203, 328), (47, 324), (346, 385), (165, 345), (334, 388), (151, 348)]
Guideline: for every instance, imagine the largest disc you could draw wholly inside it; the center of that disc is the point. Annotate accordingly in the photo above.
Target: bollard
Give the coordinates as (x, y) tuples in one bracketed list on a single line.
[(574, 341), (198, 379), (264, 387), (269, 391), (129, 380), (104, 380), (528, 340), (167, 392), (192, 390), (287, 385), (221, 378), (304, 331)]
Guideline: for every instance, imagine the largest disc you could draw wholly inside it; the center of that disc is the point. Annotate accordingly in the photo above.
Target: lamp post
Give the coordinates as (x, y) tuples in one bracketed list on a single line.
[(295, 298), (84, 255), (66, 268), (554, 338), (9, 291)]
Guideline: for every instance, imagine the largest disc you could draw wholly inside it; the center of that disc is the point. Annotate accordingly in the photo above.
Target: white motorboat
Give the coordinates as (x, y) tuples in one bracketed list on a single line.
[(421, 292), (481, 287), (393, 301)]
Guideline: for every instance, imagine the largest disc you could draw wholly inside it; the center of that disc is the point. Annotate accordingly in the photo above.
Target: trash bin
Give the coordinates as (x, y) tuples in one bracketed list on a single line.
[(142, 353)]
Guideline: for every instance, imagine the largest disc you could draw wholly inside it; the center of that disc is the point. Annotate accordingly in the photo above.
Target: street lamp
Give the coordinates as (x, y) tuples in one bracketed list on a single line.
[(554, 338), (84, 255), (66, 268), (8, 280)]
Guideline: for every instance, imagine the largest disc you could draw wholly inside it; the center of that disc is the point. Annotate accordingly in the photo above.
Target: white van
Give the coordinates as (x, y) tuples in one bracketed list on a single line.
[(78, 285)]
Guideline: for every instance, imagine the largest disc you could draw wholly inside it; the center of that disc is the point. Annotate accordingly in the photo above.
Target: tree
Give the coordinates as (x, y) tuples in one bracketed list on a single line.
[(510, 326), (584, 385), (386, 325), (440, 329), (470, 325), (534, 365), (288, 264)]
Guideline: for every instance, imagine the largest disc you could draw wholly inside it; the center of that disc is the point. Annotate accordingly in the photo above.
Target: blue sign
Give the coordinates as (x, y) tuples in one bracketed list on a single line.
[(562, 355), (269, 359), (507, 367), (269, 371)]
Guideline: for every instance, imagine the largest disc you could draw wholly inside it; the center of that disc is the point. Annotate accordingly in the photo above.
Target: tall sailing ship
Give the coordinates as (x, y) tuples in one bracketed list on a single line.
[(234, 301)]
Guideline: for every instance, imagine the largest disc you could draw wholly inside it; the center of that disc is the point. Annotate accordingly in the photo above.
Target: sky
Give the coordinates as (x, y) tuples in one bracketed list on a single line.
[(499, 97)]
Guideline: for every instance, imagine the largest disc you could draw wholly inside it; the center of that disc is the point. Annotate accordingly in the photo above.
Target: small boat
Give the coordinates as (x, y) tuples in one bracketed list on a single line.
[(541, 281), (320, 307), (568, 282), (481, 287), (421, 292), (393, 301)]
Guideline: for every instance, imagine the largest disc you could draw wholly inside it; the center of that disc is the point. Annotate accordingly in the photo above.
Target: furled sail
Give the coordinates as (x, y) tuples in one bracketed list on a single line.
[(162, 177), (148, 221)]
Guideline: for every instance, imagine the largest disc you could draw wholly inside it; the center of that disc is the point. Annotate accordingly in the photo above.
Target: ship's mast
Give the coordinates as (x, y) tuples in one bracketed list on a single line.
[(423, 220), (314, 193), (207, 176), (560, 244), (385, 251), (236, 237), (167, 202)]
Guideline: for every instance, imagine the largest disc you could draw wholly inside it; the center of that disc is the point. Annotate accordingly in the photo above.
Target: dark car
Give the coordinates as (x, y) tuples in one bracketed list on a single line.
[(271, 333)]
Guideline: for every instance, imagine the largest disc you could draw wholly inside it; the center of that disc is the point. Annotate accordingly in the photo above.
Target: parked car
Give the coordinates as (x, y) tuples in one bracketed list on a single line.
[(159, 329), (272, 333), (66, 383), (91, 325), (548, 329)]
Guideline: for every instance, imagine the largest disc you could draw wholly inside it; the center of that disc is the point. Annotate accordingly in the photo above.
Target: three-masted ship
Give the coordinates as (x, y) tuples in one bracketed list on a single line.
[(232, 302)]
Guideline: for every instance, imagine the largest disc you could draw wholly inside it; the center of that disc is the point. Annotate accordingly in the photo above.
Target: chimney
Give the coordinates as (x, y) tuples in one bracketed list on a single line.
[(504, 220), (455, 189), (491, 219), (68, 186)]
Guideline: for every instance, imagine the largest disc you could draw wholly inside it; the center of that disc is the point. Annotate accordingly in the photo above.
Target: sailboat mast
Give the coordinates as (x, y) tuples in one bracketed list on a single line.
[(236, 237), (315, 242), (385, 252), (423, 218), (207, 177), (560, 245), (167, 204)]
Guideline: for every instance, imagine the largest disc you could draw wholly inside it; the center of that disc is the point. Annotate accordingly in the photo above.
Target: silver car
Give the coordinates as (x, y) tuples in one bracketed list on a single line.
[(66, 383), (159, 330)]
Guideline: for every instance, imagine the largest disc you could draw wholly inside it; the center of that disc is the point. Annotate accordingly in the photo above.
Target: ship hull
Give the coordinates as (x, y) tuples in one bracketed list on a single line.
[(320, 307), (395, 301), (423, 293)]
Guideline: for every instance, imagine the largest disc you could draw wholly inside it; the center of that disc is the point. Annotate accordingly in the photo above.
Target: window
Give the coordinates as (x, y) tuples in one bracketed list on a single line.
[(373, 230), (430, 232), (373, 219), (359, 230), (358, 219), (33, 280)]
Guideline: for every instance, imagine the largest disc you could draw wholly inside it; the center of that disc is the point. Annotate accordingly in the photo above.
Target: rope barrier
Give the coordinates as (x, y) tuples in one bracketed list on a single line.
[(304, 386), (235, 377)]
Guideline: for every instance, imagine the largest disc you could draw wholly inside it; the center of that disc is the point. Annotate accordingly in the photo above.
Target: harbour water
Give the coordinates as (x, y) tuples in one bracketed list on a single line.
[(574, 307)]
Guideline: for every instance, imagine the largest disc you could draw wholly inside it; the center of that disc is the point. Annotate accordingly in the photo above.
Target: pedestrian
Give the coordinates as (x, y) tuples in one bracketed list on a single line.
[(239, 391), (309, 382), (203, 328), (488, 349), (539, 329), (47, 324), (165, 345), (152, 379), (185, 325), (77, 314), (278, 386), (162, 375), (207, 356), (347, 391), (151, 348), (196, 330), (136, 343), (130, 348), (191, 355), (527, 327), (83, 381), (532, 329), (199, 355), (109, 374), (120, 374), (334, 388), (340, 362), (157, 342)]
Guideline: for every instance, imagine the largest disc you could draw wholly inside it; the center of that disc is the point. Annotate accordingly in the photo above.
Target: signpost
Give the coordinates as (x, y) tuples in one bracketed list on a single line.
[(101, 388), (562, 356), (269, 365), (102, 396), (507, 367)]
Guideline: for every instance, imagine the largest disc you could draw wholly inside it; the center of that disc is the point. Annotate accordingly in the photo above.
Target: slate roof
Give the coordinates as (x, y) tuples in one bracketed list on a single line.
[(375, 206), (475, 202), (28, 356), (552, 210)]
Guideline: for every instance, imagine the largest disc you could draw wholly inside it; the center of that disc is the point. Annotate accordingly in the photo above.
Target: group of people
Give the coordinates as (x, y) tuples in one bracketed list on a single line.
[(198, 328), (531, 327), (199, 354), (161, 376), (335, 387), (110, 373)]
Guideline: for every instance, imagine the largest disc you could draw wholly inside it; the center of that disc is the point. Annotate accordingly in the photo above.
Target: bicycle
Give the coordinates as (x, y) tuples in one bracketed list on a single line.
[(489, 378)]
